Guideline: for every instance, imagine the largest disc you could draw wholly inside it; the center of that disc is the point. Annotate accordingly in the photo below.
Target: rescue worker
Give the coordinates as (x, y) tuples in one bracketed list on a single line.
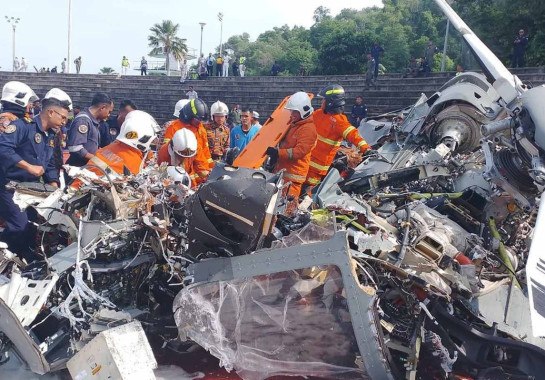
[(180, 151), (127, 154), (177, 108), (109, 130), (293, 151), (26, 155), (191, 117), (17, 101), (218, 131), (83, 134), (333, 127)]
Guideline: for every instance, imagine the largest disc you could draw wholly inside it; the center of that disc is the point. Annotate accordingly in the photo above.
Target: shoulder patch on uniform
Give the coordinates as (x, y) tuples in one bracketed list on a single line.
[(10, 128), (83, 128), (52, 143), (131, 135), (113, 131), (38, 138)]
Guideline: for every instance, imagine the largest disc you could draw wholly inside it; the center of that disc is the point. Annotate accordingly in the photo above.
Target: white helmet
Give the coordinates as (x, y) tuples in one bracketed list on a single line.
[(219, 108), (138, 130), (183, 143), (60, 95), (18, 93), (179, 175), (300, 101), (178, 107)]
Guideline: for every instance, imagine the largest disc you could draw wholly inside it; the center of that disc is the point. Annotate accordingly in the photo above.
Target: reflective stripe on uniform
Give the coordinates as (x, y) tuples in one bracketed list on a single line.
[(334, 91), (210, 160), (313, 181), (328, 141), (290, 153), (166, 141), (362, 143), (203, 174), (295, 177), (318, 166), (347, 131), (193, 108)]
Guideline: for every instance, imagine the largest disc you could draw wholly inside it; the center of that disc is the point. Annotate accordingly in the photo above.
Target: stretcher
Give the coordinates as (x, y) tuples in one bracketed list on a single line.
[(270, 134)]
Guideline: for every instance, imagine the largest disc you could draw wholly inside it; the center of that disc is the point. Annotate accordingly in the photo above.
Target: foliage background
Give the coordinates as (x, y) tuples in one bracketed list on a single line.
[(338, 44)]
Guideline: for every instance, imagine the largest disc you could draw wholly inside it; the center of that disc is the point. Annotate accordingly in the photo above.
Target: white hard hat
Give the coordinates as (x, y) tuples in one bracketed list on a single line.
[(300, 101), (138, 130), (61, 96), (183, 143), (219, 108), (18, 93), (255, 115), (179, 105), (179, 175)]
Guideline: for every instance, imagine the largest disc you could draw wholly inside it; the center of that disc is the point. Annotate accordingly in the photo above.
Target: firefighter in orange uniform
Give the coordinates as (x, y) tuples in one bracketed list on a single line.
[(293, 151), (180, 151), (126, 155), (333, 127), (191, 116)]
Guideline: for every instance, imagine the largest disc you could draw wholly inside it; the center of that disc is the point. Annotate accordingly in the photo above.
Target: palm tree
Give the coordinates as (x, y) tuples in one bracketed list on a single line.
[(107, 70), (163, 40)]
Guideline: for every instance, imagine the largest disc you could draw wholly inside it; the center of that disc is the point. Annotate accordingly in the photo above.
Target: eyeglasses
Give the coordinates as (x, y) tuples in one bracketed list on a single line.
[(63, 118)]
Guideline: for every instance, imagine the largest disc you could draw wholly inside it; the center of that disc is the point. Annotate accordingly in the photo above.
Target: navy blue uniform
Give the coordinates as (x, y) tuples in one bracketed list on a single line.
[(28, 142), (108, 131), (83, 137), (359, 112), (375, 53)]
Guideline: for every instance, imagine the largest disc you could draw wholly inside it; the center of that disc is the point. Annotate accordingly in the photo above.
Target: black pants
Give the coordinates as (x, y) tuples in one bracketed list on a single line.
[(210, 70), (219, 70), (376, 68), (518, 60), (143, 71)]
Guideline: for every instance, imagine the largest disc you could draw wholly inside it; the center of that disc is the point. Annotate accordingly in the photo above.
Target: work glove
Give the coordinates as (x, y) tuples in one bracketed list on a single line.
[(370, 152), (272, 153)]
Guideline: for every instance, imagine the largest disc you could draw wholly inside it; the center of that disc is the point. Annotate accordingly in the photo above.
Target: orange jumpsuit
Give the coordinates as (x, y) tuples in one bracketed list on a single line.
[(332, 130), (203, 163), (164, 156), (294, 153), (117, 157)]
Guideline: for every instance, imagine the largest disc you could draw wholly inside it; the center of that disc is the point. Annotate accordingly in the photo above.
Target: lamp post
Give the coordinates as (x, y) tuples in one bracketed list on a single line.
[(202, 24), (220, 17), (13, 21), (69, 32)]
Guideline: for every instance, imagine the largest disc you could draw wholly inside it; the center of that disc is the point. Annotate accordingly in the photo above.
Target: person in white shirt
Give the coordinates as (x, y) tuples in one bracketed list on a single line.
[(226, 60), (192, 94), (183, 71), (24, 65)]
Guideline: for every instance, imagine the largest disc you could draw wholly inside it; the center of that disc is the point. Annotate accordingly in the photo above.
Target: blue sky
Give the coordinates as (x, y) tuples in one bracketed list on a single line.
[(103, 31)]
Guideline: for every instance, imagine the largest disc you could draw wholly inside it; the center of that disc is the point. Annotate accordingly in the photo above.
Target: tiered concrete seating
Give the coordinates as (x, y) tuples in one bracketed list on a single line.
[(158, 95)]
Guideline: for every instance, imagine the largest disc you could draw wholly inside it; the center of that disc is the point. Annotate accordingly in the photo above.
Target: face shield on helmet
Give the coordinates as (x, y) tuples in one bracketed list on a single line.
[(300, 101), (179, 105), (219, 109), (334, 97), (61, 96), (183, 143), (18, 93), (138, 130), (195, 109)]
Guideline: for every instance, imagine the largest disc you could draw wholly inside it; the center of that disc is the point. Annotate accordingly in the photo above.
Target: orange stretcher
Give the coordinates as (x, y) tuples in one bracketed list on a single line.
[(270, 134)]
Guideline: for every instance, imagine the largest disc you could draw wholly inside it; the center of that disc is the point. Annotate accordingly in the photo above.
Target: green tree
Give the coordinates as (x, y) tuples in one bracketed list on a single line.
[(164, 40)]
